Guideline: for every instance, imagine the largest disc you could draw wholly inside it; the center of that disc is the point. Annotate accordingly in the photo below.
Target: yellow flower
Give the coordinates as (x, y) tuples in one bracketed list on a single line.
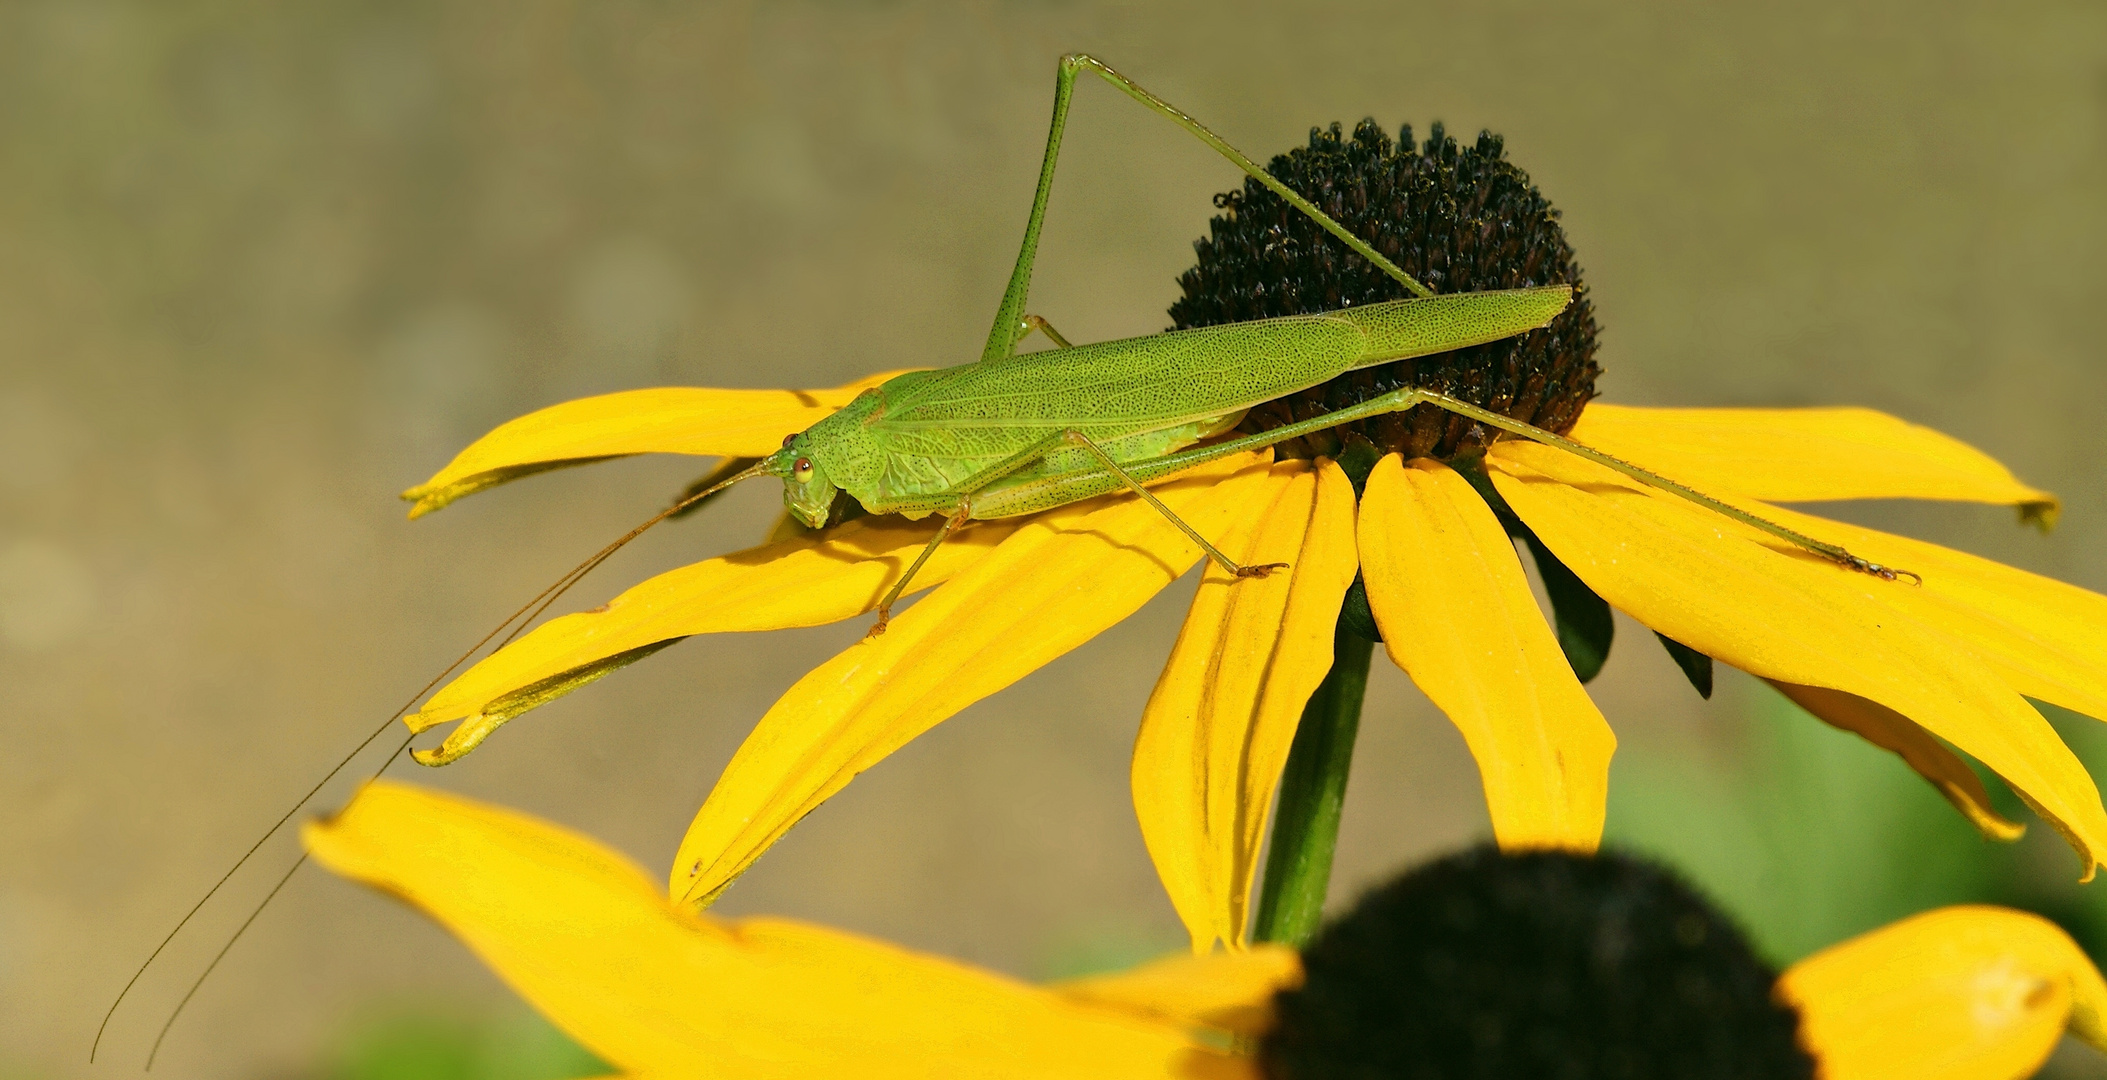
[(1958, 993), (1904, 665), (656, 989), (659, 991), (1923, 669)]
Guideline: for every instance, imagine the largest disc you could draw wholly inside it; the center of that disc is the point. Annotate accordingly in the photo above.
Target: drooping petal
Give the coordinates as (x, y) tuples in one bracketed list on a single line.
[(807, 580), (1061, 578), (582, 934), (1227, 991), (1806, 455), (1456, 613), (668, 420), (2046, 639), (1216, 732), (1765, 607), (1892, 731), (1960, 993)]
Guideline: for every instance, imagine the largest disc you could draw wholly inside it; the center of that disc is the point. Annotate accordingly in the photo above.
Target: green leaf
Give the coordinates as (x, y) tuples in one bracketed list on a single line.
[(1582, 619), (1697, 667)]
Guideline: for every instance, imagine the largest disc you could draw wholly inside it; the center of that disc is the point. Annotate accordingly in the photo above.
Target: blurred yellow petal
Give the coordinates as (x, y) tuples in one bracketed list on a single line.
[(2046, 639), (808, 580), (1961, 993), (1228, 991), (1806, 455), (1765, 607), (1060, 579), (1216, 732), (1891, 731), (655, 990), (668, 420), (1456, 613)]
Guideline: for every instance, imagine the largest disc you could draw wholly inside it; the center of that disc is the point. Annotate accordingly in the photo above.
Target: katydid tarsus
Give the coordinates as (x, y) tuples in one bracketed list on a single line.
[(1013, 434)]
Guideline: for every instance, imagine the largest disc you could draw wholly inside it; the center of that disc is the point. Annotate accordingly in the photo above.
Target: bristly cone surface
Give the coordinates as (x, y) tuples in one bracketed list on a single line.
[(1545, 964), (1460, 219)]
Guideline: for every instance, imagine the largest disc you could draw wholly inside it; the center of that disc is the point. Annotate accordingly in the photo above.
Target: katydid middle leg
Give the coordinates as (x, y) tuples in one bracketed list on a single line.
[(1235, 569), (963, 510), (1034, 322), (1140, 472)]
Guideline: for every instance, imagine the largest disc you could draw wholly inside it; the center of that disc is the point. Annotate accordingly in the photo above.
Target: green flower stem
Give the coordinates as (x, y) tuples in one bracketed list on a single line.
[(1312, 789)]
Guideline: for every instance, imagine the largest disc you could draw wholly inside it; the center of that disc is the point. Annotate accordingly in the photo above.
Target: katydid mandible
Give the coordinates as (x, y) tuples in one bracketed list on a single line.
[(1015, 434)]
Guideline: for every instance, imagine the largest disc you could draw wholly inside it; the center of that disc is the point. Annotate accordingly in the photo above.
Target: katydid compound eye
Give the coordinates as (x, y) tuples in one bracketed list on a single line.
[(802, 470), (788, 439)]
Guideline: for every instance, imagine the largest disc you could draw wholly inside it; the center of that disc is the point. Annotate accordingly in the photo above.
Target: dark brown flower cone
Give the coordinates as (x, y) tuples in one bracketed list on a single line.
[(1460, 219)]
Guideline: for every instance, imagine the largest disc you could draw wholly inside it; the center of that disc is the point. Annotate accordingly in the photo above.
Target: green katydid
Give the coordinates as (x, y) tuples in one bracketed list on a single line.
[(1014, 434)]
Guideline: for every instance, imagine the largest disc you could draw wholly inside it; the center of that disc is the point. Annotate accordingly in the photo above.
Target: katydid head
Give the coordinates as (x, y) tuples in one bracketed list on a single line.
[(807, 493)]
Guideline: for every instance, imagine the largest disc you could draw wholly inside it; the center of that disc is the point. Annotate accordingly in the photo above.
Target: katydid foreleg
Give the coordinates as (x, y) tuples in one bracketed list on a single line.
[(892, 596), (956, 512)]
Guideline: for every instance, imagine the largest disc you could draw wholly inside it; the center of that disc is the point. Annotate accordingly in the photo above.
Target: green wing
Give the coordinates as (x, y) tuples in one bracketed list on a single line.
[(1146, 383), (940, 429), (1135, 384)]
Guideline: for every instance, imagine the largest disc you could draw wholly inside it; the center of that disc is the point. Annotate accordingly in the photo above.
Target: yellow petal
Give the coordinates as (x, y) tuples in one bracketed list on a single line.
[(1217, 729), (669, 420), (1230, 991), (1062, 577), (1769, 609), (1806, 455), (2046, 639), (1456, 613), (582, 934), (1960, 993), (804, 581), (1891, 731)]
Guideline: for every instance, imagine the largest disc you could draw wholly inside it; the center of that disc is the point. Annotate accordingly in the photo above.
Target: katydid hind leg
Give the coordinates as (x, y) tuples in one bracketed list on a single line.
[(1831, 552), (1400, 400), (1009, 325), (1010, 322), (1237, 157)]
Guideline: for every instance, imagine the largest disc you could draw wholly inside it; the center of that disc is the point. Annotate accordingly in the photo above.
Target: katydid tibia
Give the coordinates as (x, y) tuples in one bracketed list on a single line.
[(1014, 434)]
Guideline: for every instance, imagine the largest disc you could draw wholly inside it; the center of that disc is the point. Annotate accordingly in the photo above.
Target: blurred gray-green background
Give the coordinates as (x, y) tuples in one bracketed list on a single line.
[(262, 266)]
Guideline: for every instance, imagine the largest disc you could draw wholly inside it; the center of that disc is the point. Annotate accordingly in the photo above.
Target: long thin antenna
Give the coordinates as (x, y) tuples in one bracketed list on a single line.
[(222, 954), (524, 616), (245, 923)]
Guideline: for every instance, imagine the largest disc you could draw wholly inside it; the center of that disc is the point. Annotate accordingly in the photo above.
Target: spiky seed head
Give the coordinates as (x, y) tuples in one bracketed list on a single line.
[(1460, 219), (1549, 964)]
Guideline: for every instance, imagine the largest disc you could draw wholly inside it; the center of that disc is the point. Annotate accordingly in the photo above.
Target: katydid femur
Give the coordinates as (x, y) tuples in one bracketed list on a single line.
[(1015, 434)]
